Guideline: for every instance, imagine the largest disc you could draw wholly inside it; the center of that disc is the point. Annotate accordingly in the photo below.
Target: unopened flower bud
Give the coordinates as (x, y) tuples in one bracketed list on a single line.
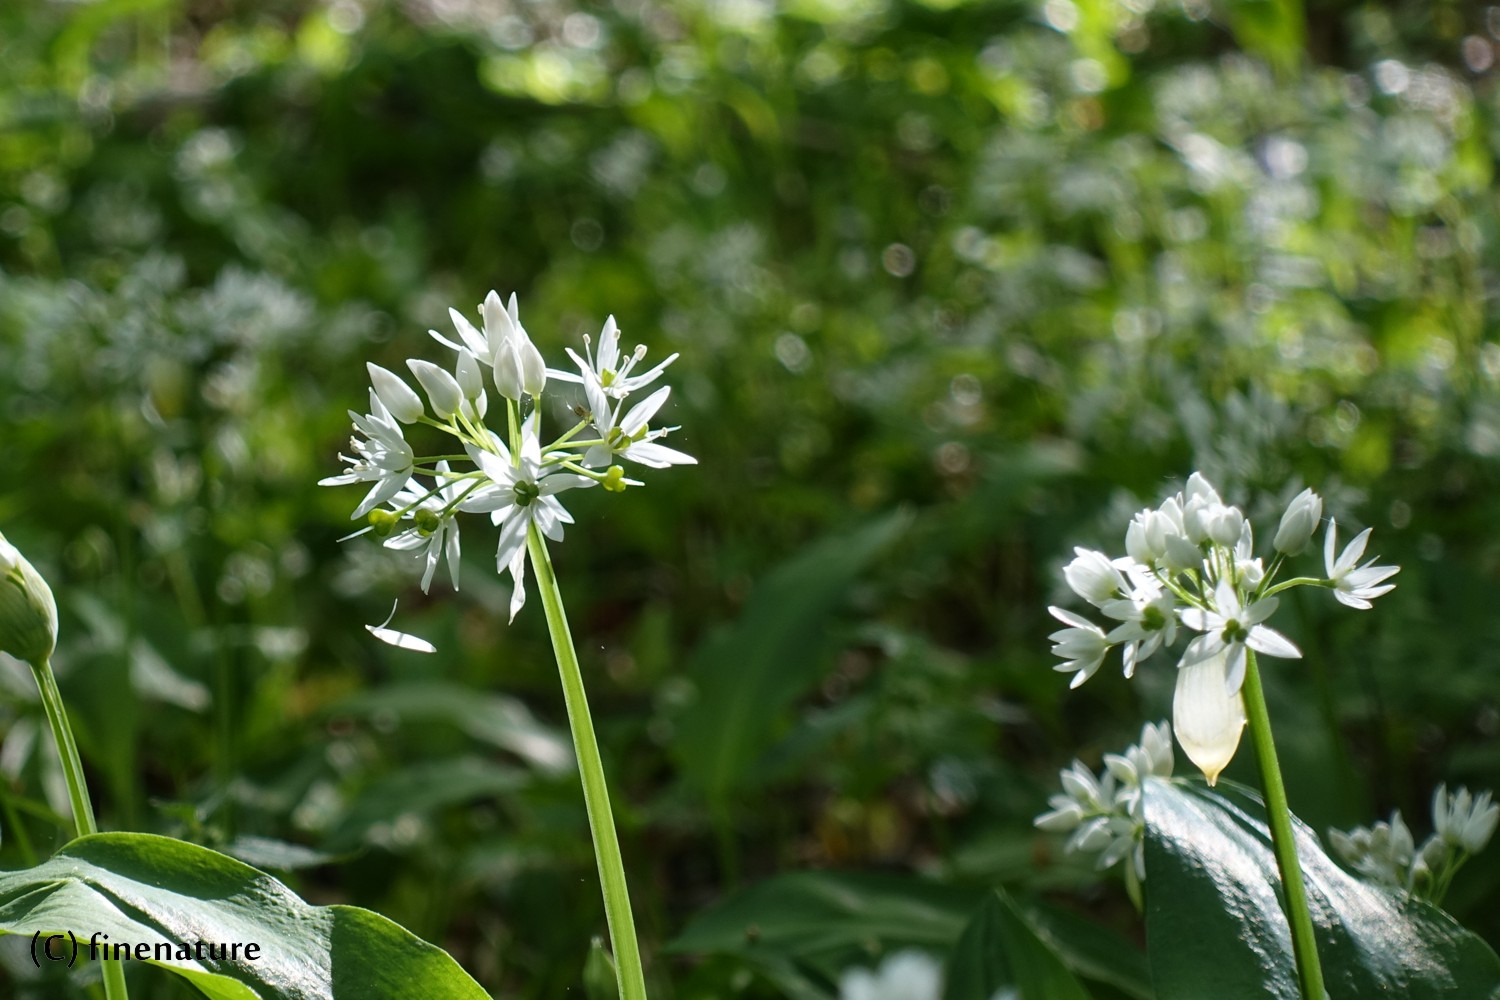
[(508, 377), (28, 614), (405, 405), (443, 390), (1298, 523), (383, 522)]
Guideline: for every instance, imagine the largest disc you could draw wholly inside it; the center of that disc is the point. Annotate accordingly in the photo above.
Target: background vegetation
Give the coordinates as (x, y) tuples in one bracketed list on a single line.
[(956, 286)]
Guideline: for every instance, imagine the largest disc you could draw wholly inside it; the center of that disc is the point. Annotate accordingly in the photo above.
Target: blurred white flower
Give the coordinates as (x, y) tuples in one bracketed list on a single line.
[(1465, 821), (1104, 814), (904, 975)]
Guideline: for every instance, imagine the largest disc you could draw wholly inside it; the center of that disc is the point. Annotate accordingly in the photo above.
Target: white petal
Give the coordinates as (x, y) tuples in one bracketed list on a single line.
[(399, 639), (443, 391), (641, 413), (518, 575), (1207, 719), (657, 456), (512, 542), (1265, 639), (1069, 618), (1353, 551)]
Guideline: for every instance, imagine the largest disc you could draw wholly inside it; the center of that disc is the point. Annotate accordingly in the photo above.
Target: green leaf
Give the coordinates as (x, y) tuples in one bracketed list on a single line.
[(422, 788), (139, 888), (1001, 949), (821, 920), (750, 674), (1215, 927)]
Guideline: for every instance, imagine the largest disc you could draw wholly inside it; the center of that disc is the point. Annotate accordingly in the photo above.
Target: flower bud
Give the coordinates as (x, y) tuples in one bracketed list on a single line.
[(508, 379), (398, 397), (1093, 577), (1298, 523), (443, 390), (28, 614), (1224, 524)]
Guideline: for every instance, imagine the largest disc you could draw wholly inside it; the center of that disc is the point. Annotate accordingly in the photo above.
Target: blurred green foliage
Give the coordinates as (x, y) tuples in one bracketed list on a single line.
[(956, 286)]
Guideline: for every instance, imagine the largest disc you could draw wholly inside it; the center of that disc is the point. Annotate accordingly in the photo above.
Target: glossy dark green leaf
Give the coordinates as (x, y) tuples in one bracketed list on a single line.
[(1001, 950), (1215, 926), (142, 889), (748, 676)]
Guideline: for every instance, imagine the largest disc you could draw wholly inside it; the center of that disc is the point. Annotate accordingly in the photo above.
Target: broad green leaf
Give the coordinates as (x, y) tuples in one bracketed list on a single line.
[(820, 920), (749, 675), (140, 888), (1000, 949), (1215, 926)]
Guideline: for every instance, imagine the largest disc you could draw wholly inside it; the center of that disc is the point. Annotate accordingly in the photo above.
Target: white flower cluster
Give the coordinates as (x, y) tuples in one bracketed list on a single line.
[(904, 975), (1192, 562), (1386, 853), (414, 500), (1105, 814)]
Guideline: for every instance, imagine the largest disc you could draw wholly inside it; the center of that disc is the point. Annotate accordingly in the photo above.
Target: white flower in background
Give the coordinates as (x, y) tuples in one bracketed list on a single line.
[(383, 457), (434, 528), (1191, 562), (1464, 821), (1386, 853), (1355, 587), (1104, 814), (904, 975), (606, 369), (515, 479)]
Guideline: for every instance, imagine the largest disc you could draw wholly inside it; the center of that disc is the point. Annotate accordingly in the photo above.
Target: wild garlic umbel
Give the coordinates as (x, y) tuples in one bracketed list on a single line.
[(414, 501), (1190, 565)]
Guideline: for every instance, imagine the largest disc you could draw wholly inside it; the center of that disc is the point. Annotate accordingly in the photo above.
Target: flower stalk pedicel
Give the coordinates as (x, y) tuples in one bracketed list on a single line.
[(517, 481)]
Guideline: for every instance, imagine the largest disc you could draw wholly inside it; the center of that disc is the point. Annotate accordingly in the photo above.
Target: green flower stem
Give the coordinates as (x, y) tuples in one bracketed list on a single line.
[(1304, 940), (78, 792), (627, 952)]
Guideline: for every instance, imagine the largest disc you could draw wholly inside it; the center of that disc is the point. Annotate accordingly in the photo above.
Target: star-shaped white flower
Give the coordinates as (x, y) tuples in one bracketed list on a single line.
[(503, 345), (520, 493), (629, 436), (1351, 586), (1149, 621), (1082, 644), (383, 458), (606, 367), (433, 527), (1229, 627)]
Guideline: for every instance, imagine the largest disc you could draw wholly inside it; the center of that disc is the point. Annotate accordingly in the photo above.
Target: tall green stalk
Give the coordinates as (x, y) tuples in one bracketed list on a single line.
[(1304, 939), (627, 953), (78, 792)]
